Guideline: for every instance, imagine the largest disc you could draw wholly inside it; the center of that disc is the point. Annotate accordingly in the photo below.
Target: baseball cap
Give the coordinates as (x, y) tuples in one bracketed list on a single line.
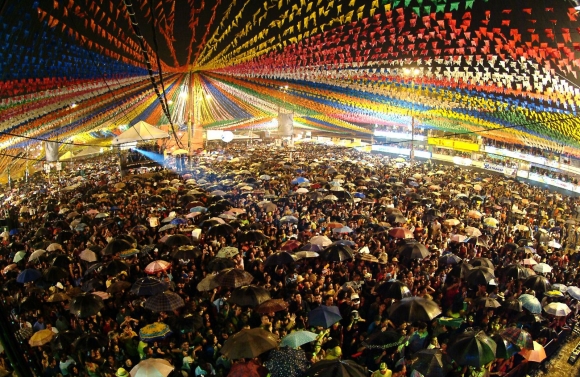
[(354, 296), (383, 366)]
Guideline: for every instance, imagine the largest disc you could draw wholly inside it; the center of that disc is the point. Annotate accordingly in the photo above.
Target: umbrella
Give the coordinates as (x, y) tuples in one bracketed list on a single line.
[(177, 240), (458, 238), (58, 297), (483, 262), (574, 292), (88, 255), (246, 369), (513, 304), (220, 230), (324, 316), (337, 253), (90, 341), (505, 349), (40, 338), (167, 227), (54, 274), (558, 309), (289, 219), (186, 252), (118, 286), (36, 254), (290, 245), (233, 278), (529, 262), (28, 275), (412, 309), (86, 305), (414, 251), (537, 354), (298, 338), (472, 232), (538, 283), (279, 258), (393, 289), (488, 302), (337, 368), (19, 256), (542, 268), (272, 306), (287, 362), (449, 258), (480, 275), (116, 246), (152, 368), (400, 233), (227, 252), (115, 267), (207, 283), (516, 271), (157, 266), (472, 348), (321, 241), (218, 264), (431, 362), (531, 303), (249, 343), (517, 336), (164, 302), (249, 295), (148, 286), (305, 254), (154, 331)]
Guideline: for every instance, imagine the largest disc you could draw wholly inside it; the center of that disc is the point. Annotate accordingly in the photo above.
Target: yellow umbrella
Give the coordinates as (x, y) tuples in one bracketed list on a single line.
[(490, 221), (40, 338)]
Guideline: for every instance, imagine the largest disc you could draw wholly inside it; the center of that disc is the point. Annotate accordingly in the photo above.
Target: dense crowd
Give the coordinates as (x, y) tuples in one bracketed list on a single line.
[(322, 240)]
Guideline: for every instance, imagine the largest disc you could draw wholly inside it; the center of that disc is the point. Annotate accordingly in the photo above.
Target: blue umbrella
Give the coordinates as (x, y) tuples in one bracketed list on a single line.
[(531, 303), (359, 195), (28, 275), (178, 221), (298, 338), (299, 180), (324, 316), (13, 232), (198, 209), (413, 184)]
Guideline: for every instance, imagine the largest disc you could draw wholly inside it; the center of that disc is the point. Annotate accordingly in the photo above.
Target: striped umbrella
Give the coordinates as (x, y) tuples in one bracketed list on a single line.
[(157, 266)]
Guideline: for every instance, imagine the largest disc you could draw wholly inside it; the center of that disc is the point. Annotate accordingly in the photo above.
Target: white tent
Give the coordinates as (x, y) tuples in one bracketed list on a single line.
[(87, 152), (142, 131)]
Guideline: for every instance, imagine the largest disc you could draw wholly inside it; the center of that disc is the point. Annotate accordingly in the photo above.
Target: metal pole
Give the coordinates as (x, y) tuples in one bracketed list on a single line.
[(412, 138)]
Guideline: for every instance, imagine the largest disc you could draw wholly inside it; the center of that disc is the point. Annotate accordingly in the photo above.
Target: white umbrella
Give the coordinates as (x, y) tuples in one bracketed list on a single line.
[(574, 292), (152, 368), (36, 254), (302, 190), (472, 232), (88, 255), (320, 240), (558, 309), (554, 244), (542, 268)]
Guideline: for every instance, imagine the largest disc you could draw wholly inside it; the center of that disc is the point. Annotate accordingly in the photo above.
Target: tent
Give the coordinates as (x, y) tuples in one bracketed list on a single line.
[(142, 131), (67, 156), (87, 152)]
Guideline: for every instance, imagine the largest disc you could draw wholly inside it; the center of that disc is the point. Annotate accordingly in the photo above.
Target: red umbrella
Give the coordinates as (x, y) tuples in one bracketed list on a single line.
[(247, 369), (400, 233)]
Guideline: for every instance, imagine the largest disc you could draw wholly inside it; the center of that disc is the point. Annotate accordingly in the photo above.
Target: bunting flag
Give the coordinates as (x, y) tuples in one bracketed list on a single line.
[(74, 69)]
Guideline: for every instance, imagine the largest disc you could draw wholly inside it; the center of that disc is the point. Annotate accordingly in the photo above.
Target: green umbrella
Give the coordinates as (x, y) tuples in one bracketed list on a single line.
[(472, 348)]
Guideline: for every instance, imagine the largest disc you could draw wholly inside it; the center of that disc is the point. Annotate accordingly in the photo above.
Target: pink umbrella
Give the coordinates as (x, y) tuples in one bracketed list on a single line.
[(157, 266)]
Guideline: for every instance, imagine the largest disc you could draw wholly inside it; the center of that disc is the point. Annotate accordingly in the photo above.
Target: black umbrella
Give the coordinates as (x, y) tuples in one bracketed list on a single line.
[(186, 252), (94, 284), (54, 274), (449, 258), (472, 348), (218, 264), (148, 286), (516, 271), (253, 236), (249, 295), (279, 258), (64, 339), (86, 305), (513, 304), (393, 289), (115, 267), (63, 236), (164, 302), (413, 309), (505, 349), (220, 230), (538, 283), (337, 253), (128, 238), (480, 276), (337, 368), (483, 262), (177, 240), (190, 323), (431, 362), (61, 260), (287, 362), (116, 246), (414, 251), (92, 341)]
